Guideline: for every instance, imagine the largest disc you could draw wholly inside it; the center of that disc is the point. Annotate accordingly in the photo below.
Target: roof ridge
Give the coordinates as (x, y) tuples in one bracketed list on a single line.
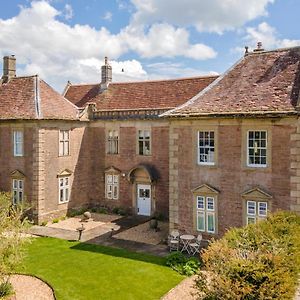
[(37, 98), (272, 50), (25, 76), (149, 81)]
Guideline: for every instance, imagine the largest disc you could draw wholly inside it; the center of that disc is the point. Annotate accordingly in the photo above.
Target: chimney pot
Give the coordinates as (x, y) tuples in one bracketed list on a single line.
[(259, 47), (9, 68), (106, 74)]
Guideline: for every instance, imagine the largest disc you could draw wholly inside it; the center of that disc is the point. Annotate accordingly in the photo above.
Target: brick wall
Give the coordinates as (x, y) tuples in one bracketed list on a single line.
[(230, 175), (128, 159)]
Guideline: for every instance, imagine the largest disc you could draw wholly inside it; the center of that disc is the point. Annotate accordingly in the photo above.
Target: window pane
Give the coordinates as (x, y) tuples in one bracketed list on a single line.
[(206, 147), (61, 195), (141, 148), (251, 208), (66, 194), (200, 221), (210, 203), (250, 220), (147, 147), (262, 209), (210, 222), (141, 134), (200, 203), (109, 178)]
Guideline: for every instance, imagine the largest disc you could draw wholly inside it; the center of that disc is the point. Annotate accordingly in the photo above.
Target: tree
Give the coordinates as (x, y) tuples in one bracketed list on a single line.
[(259, 261), (12, 228)]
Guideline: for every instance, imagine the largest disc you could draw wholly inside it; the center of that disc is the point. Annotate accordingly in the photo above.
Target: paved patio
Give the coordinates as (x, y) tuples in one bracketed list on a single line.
[(100, 232)]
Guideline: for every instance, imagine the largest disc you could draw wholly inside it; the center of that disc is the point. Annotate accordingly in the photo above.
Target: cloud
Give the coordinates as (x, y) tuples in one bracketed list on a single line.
[(107, 16), (58, 51), (166, 69), (205, 15), (269, 37), (166, 41), (68, 12)]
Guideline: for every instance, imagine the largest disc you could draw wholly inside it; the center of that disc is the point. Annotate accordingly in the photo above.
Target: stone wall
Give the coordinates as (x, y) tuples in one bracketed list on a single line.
[(230, 175)]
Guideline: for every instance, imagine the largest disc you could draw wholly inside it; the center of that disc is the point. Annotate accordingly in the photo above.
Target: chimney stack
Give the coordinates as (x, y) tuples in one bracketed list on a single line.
[(9, 68), (106, 74), (259, 47)]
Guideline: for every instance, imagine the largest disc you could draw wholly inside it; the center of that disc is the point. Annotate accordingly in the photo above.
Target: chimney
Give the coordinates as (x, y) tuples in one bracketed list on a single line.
[(9, 68), (259, 47), (106, 74)]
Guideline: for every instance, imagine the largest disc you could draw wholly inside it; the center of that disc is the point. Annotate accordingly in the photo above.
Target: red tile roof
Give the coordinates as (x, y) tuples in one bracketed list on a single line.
[(261, 82), (32, 98), (138, 95)]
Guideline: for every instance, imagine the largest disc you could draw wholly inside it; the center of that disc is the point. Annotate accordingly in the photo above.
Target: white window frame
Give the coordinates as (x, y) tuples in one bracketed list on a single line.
[(112, 141), (112, 187), (143, 139), (205, 212), (256, 215), (64, 189), (17, 191), (64, 143), (18, 142), (257, 148), (208, 162)]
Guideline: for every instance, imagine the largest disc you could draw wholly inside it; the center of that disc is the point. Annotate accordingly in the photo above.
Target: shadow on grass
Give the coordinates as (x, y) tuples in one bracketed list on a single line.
[(120, 253)]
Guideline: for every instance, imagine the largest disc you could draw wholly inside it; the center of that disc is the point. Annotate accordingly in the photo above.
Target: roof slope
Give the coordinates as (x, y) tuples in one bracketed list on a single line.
[(32, 98), (138, 95), (261, 82)]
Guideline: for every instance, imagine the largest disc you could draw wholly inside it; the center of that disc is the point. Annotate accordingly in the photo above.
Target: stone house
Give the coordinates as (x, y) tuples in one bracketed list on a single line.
[(209, 152), (98, 144), (130, 143), (234, 148)]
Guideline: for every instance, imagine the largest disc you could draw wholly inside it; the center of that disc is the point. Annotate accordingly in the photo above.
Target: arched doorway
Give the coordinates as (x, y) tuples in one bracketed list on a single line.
[(143, 180)]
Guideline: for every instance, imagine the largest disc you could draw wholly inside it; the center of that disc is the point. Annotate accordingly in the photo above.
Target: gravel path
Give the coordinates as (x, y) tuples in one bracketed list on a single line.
[(144, 234), (30, 288), (183, 291)]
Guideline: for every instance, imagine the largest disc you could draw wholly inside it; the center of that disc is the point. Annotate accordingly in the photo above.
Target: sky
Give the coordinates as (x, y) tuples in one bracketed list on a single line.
[(65, 40)]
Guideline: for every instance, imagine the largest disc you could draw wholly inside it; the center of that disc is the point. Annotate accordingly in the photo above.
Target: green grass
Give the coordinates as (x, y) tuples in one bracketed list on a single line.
[(83, 271)]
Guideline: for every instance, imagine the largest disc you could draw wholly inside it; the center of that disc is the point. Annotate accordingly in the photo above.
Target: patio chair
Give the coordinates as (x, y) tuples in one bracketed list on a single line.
[(195, 246), (173, 240)]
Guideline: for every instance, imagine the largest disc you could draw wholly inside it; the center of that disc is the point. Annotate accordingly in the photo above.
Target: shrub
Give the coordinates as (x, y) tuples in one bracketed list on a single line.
[(56, 220), (13, 224), (44, 223), (5, 289), (102, 210), (183, 265), (76, 212), (119, 211), (260, 261)]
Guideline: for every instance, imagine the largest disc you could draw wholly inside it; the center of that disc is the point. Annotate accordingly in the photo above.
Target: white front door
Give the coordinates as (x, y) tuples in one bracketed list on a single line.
[(144, 199)]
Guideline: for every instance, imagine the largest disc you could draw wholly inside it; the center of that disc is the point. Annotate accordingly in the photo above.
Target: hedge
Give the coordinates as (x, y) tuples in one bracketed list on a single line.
[(259, 261)]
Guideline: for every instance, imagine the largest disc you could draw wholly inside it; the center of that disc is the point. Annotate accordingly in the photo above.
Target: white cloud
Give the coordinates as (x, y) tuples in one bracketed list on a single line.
[(68, 13), (58, 51), (165, 70), (205, 15), (269, 37), (107, 16), (166, 41)]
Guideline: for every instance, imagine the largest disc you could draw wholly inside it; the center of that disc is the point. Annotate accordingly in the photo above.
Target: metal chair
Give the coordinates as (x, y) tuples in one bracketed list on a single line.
[(195, 246), (173, 240)]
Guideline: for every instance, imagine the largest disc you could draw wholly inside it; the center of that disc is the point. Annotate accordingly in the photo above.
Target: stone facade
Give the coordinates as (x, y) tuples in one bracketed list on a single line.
[(230, 176)]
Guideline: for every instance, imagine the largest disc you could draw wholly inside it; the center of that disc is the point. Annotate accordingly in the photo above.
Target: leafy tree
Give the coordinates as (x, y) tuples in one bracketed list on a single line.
[(12, 228), (259, 261)]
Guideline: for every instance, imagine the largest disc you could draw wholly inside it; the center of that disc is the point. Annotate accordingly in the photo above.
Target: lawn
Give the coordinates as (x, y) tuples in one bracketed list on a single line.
[(83, 271)]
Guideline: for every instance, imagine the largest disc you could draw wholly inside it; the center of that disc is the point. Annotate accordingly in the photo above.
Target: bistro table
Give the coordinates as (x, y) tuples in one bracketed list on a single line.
[(186, 240)]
